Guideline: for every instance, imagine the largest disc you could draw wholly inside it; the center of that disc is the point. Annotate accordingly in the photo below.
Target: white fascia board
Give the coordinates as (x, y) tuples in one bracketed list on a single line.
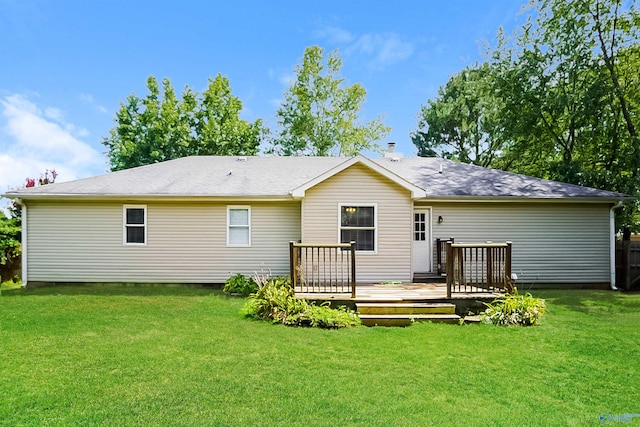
[(158, 198), (519, 199), (416, 192)]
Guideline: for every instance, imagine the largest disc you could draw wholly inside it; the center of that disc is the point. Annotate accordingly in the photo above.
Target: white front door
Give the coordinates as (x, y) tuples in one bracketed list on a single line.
[(421, 241)]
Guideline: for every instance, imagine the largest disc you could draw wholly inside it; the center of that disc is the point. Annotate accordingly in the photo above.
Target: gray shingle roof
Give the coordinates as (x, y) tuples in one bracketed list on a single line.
[(465, 180), (218, 176)]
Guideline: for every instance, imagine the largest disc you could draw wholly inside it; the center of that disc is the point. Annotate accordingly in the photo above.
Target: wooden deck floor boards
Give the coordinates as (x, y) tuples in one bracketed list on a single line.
[(401, 292)]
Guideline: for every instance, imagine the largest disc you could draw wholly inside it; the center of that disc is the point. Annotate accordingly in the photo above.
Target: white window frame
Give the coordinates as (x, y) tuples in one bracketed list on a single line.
[(229, 226), (375, 223), (125, 225)]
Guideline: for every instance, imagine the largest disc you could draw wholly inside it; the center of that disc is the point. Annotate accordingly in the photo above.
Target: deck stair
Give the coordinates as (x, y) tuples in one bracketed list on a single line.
[(429, 278), (403, 313)]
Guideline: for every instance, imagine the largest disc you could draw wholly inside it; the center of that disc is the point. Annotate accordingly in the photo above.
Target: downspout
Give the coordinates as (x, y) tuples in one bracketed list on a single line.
[(612, 245)]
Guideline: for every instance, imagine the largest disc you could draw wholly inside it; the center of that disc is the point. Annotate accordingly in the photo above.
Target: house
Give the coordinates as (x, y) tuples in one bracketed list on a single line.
[(202, 219)]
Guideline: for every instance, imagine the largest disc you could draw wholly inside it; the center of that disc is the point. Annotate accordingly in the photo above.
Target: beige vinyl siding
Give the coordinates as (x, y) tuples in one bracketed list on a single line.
[(552, 242), (358, 184), (186, 242)]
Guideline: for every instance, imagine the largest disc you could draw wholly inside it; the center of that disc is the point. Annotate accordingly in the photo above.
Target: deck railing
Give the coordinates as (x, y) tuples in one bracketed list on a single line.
[(478, 267), (441, 254), (319, 268)]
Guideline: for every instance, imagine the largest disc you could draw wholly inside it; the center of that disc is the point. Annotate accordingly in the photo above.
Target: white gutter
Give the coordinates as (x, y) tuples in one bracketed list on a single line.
[(612, 245)]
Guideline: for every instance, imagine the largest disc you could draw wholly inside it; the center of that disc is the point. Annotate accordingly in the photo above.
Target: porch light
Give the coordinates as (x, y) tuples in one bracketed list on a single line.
[(350, 210), (440, 219)]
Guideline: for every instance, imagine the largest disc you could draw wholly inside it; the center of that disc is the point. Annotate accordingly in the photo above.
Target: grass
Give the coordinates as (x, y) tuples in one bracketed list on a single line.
[(158, 355)]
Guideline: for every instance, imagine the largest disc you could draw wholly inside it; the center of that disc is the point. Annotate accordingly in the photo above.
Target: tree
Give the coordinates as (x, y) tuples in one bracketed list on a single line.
[(9, 246), (577, 64), (562, 97), (162, 127), (218, 126), (458, 123), (319, 114)]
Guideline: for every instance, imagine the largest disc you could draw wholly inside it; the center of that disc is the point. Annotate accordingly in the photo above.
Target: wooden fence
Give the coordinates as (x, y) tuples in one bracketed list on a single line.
[(627, 264), (318, 268), (478, 267)]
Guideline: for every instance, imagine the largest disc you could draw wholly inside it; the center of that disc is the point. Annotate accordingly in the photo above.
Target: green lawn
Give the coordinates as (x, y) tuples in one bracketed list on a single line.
[(156, 355)]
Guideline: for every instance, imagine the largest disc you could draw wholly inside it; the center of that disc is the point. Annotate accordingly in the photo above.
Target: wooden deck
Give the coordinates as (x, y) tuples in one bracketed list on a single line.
[(476, 273), (403, 304), (403, 292)]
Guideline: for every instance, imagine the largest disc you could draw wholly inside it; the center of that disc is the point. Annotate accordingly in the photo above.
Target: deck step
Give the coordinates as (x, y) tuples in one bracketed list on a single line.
[(406, 308), (429, 278), (402, 313), (406, 319)]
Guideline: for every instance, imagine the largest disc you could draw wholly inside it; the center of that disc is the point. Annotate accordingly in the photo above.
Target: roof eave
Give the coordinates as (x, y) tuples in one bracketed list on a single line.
[(522, 199), (152, 197)]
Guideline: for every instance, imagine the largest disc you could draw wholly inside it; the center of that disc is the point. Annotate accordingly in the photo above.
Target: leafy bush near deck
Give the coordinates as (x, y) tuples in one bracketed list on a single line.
[(515, 309), (240, 284), (275, 300)]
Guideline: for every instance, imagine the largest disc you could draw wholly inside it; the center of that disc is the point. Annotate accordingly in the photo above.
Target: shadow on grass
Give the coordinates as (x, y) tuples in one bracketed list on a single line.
[(115, 289)]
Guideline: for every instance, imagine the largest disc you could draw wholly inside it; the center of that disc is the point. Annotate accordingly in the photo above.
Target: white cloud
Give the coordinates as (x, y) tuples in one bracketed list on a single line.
[(287, 79), (382, 49), (442, 48), (276, 102), (334, 35), (284, 77), (379, 50), (55, 114), (88, 99), (34, 139)]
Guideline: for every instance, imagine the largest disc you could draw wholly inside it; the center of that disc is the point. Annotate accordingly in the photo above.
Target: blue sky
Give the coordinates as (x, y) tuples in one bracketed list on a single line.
[(65, 66)]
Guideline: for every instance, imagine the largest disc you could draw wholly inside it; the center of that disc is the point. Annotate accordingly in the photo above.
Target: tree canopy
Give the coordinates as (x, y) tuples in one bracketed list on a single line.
[(458, 124), (559, 99), (319, 114), (162, 127)]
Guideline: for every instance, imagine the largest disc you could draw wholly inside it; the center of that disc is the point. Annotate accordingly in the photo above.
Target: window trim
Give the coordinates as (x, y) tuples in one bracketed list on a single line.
[(125, 225), (375, 224), (229, 226)]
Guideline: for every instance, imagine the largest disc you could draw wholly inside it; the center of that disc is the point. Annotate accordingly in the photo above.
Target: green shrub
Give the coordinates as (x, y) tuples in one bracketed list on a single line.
[(515, 309), (323, 316), (240, 285), (9, 247), (275, 300)]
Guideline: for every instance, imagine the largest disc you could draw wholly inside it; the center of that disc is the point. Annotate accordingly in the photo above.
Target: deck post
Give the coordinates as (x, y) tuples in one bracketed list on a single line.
[(440, 248), (460, 255), (292, 263), (449, 268), (507, 268), (353, 269), (439, 255), (490, 281)]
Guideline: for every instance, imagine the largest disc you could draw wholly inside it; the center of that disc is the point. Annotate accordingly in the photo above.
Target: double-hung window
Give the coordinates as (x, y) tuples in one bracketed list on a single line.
[(135, 225), (358, 223), (238, 226)]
